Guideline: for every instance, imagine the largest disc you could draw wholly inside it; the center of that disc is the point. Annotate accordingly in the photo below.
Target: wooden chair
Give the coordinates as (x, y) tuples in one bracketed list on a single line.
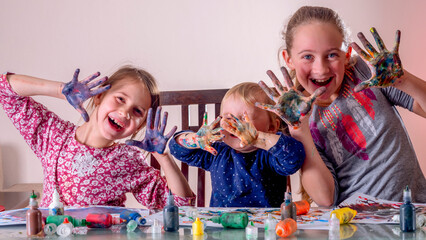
[(185, 99), (199, 98), (19, 187)]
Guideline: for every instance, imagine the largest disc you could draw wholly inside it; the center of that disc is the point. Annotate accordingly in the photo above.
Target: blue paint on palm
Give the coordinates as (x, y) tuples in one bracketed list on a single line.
[(154, 140), (77, 92)]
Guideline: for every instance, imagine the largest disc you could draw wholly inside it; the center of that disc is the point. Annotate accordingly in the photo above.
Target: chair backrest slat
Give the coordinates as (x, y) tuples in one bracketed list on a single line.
[(184, 99)]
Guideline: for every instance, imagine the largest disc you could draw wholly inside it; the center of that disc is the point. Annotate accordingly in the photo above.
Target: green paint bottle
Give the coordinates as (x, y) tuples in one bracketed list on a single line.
[(58, 219), (232, 220)]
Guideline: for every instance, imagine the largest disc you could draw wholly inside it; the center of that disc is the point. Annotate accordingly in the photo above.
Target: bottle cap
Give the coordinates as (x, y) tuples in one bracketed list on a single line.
[(251, 231), (170, 199), (407, 194)]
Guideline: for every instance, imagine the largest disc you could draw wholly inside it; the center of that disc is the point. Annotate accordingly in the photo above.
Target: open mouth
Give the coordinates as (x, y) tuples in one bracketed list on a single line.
[(115, 124), (321, 82)]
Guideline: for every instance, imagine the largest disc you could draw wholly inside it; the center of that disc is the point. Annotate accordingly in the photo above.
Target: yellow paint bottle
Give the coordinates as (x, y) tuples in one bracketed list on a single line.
[(345, 215)]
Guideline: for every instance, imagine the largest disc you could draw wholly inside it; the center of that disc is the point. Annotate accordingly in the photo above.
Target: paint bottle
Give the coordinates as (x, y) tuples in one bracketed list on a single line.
[(288, 208), (131, 226), (197, 227), (50, 229), (56, 207), (128, 215), (302, 207), (345, 215), (251, 231), (407, 213), (58, 219), (171, 215), (99, 220), (34, 218), (232, 220), (286, 227), (334, 227), (65, 229), (270, 223)]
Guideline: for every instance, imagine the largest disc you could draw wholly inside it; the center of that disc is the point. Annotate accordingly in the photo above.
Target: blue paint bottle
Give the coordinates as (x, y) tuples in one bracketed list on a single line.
[(407, 213), (171, 215), (128, 215)]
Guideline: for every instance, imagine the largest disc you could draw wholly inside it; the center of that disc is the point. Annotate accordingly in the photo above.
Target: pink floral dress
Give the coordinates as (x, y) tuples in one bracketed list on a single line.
[(83, 175)]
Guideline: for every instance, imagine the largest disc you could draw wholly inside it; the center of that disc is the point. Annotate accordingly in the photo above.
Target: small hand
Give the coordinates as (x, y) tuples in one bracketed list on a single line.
[(205, 136), (385, 66), (290, 103), (77, 92), (154, 140), (244, 130)]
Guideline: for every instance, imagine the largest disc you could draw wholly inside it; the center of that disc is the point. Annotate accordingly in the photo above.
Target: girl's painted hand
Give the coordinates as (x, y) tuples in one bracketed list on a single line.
[(205, 136), (154, 140), (244, 130), (385, 66), (290, 103), (77, 92)]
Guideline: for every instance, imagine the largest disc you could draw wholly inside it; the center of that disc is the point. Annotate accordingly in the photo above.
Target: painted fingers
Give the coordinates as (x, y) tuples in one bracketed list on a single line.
[(243, 129), (77, 92), (385, 66)]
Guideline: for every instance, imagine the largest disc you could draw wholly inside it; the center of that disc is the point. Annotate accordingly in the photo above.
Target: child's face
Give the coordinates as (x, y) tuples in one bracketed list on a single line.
[(259, 117), (317, 58), (123, 109)]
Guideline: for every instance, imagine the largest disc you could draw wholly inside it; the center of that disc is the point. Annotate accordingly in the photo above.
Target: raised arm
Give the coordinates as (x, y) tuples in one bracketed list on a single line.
[(294, 108), (386, 68), (155, 142), (74, 91)]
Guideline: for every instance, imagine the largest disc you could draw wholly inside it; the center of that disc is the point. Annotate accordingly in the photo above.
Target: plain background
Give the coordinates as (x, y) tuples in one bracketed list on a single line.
[(185, 44)]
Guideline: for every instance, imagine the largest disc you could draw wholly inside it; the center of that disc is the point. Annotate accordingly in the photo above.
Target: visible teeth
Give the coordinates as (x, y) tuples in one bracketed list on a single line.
[(115, 122)]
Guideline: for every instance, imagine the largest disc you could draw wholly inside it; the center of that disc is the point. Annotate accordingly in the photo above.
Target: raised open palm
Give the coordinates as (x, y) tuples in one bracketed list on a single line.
[(290, 104), (154, 140), (77, 92), (385, 66)]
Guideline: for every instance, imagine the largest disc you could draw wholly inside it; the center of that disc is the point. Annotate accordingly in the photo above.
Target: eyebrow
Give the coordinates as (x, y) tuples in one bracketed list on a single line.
[(136, 105), (329, 50)]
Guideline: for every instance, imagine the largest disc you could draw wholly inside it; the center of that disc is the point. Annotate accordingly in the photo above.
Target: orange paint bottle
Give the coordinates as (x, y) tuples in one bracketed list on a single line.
[(286, 227), (302, 207)]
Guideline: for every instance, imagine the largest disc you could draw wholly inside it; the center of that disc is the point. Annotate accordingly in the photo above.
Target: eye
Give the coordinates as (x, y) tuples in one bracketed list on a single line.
[(307, 57), (120, 99), (138, 112), (333, 55)]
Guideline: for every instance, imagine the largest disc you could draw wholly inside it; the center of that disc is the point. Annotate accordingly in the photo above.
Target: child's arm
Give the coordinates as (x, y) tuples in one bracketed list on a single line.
[(74, 91), (175, 179), (155, 142), (317, 179), (416, 88), (31, 86), (292, 107), (386, 69)]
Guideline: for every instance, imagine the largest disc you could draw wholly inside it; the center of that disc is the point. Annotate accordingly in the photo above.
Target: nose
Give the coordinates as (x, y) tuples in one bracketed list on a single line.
[(321, 67), (124, 111)]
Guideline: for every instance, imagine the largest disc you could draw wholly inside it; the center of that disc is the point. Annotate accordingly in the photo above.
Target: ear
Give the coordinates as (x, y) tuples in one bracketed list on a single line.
[(287, 59), (275, 125), (97, 99)]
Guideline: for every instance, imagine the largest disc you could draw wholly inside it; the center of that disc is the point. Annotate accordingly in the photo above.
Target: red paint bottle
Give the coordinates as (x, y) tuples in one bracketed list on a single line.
[(99, 220)]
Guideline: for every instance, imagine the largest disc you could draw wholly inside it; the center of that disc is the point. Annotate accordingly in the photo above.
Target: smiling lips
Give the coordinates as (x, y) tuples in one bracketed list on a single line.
[(321, 82), (115, 124)]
